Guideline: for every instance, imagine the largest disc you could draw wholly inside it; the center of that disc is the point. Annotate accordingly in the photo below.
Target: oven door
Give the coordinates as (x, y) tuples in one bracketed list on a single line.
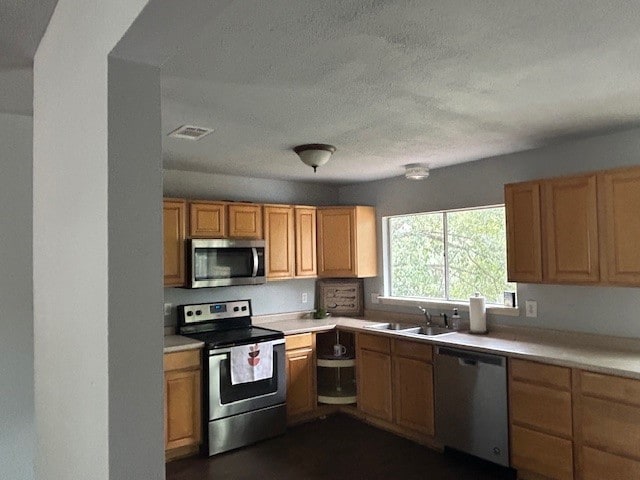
[(226, 399), (219, 263)]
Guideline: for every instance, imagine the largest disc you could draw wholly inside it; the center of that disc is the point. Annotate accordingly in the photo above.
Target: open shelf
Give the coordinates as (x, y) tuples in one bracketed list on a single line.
[(336, 375)]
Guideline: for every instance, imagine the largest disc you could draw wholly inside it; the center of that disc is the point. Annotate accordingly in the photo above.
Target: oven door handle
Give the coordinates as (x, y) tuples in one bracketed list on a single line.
[(255, 262), (221, 351)]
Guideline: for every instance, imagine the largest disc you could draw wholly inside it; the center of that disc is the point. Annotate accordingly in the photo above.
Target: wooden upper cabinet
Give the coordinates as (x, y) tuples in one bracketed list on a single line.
[(245, 220), (174, 229), (620, 195), (347, 242), (280, 244), (524, 243), (571, 229), (208, 219), (305, 239)]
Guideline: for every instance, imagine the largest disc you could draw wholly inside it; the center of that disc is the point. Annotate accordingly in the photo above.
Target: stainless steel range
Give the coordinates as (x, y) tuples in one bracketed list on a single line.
[(236, 414)]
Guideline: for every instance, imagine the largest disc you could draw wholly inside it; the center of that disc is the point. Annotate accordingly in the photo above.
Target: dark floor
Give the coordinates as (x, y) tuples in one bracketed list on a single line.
[(338, 448)]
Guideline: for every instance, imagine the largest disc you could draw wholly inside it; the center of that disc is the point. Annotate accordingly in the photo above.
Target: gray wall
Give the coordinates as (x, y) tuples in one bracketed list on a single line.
[(135, 273), (17, 438), (272, 297), (607, 310)]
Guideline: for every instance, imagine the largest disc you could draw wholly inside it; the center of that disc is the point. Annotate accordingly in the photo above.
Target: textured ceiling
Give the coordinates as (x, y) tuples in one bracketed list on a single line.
[(397, 82)]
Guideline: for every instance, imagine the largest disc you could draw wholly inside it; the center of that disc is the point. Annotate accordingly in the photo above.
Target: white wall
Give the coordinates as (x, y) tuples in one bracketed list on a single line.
[(606, 310), (73, 182), (17, 438), (272, 297)]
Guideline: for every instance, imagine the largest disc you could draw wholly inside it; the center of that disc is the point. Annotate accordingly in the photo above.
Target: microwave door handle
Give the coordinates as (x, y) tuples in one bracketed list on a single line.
[(255, 262)]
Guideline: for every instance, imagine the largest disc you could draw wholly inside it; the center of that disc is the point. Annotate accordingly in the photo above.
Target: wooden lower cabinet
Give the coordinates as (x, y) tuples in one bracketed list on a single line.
[(182, 402), (413, 388), (540, 420), (607, 421), (300, 371), (395, 384), (547, 456), (374, 384)]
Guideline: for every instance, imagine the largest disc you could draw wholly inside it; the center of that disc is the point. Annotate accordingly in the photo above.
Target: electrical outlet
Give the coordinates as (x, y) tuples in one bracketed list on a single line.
[(374, 298), (531, 308), (305, 297), (167, 309)]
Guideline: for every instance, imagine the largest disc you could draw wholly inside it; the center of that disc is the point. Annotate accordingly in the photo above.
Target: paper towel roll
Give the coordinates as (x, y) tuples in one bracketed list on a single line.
[(477, 315)]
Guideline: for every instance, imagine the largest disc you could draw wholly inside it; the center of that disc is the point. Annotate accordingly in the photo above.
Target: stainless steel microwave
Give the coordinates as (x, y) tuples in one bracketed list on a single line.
[(220, 262)]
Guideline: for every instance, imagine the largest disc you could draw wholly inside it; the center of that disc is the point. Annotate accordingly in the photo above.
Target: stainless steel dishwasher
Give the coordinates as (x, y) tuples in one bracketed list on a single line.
[(471, 403)]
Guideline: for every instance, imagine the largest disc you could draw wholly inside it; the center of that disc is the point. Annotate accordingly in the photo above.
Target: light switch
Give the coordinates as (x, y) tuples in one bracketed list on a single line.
[(167, 309)]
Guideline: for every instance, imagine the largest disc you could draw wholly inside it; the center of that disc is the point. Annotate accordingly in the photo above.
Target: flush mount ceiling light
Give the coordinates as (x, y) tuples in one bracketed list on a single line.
[(314, 154), (416, 171)]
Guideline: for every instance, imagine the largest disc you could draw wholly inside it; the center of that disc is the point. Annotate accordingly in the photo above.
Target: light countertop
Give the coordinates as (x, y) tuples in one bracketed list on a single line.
[(609, 355), (177, 343)]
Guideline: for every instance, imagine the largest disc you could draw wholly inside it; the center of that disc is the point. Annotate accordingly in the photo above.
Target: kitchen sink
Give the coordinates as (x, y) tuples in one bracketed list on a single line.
[(393, 326), (429, 331), (407, 328)]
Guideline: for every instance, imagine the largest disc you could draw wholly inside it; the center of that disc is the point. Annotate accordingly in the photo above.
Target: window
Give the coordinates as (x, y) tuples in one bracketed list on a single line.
[(448, 255)]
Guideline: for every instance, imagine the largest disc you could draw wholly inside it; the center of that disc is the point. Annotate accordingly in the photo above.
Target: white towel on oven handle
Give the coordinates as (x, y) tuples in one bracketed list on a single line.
[(250, 363)]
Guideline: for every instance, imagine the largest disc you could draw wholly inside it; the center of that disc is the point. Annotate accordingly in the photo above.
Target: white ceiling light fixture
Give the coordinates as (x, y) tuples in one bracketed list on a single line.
[(416, 171), (315, 154)]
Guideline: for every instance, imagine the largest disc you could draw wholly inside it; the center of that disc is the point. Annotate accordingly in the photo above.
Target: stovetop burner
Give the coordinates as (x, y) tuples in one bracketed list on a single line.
[(222, 324), (237, 336)]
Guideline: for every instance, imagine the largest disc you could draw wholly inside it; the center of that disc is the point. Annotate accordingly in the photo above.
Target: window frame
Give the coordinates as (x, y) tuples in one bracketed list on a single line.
[(387, 299)]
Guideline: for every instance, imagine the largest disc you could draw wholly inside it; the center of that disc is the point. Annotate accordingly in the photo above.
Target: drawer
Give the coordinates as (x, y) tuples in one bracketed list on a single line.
[(541, 407), (543, 454), (610, 426), (625, 390), (303, 340), (597, 465), (374, 342), (182, 360), (541, 373), (417, 350)]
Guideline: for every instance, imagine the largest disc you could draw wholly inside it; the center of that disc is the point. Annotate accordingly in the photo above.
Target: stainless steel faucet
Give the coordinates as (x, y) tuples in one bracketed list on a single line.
[(427, 315)]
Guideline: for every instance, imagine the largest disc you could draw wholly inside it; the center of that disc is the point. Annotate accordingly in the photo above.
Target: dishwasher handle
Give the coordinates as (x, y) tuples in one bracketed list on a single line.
[(467, 358)]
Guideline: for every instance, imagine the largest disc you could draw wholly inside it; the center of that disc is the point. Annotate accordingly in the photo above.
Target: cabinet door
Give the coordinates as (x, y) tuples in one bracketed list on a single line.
[(571, 229), (208, 219), (182, 408), (336, 242), (306, 253), (620, 196), (541, 454), (300, 382), (524, 243), (245, 221), (413, 394), (374, 384), (173, 226), (279, 236)]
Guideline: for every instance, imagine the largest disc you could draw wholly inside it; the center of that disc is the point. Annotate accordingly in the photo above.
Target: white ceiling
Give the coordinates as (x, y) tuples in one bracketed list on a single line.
[(387, 82), (397, 82)]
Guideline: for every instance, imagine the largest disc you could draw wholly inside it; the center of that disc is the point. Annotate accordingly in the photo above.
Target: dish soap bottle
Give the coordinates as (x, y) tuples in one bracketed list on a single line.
[(455, 320)]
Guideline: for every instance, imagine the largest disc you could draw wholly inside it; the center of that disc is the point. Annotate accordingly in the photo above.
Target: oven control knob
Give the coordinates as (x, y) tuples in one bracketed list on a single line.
[(198, 312), (244, 308), (189, 313), (235, 309)]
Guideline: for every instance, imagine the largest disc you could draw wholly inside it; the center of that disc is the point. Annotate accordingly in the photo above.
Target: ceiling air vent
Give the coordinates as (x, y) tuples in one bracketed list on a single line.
[(190, 132)]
